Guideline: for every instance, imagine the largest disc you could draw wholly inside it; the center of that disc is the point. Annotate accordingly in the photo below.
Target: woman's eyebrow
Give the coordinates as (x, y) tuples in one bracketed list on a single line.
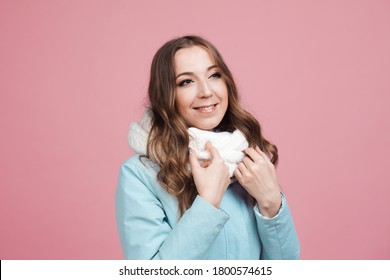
[(184, 73), (211, 67), (192, 73)]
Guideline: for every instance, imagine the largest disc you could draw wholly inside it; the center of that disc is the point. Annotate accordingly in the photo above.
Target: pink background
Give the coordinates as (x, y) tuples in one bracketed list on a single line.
[(74, 74)]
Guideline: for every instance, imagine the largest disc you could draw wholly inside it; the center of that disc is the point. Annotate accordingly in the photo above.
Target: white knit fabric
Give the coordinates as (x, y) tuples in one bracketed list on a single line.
[(229, 145)]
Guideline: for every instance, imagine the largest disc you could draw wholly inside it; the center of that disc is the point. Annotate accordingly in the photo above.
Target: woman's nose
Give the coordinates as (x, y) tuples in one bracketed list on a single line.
[(205, 91)]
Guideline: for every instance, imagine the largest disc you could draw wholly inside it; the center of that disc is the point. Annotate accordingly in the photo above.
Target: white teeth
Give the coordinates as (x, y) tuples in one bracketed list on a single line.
[(206, 109)]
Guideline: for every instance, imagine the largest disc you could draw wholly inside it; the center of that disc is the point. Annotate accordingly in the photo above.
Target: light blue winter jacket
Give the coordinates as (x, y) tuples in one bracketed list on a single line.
[(148, 225)]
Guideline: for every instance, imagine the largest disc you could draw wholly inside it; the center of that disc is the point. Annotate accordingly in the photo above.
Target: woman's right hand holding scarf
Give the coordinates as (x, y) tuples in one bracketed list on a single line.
[(211, 179)]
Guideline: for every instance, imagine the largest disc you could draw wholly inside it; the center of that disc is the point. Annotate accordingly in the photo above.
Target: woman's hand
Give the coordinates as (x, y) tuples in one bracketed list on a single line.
[(257, 175), (211, 178)]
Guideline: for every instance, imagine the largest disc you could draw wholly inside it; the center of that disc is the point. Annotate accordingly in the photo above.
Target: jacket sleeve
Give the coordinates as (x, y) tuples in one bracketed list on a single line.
[(277, 234), (143, 225)]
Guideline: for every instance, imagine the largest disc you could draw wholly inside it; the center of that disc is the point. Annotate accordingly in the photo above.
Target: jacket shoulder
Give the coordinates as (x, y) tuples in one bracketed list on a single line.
[(139, 169), (141, 163)]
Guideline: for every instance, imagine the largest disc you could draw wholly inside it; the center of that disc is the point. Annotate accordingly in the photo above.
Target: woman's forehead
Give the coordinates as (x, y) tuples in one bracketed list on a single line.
[(194, 58)]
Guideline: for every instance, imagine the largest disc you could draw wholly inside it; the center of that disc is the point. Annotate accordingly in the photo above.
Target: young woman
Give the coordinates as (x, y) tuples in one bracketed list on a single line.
[(202, 184)]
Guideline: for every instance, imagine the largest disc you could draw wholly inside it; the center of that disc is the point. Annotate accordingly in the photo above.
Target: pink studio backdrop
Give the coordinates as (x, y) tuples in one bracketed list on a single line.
[(74, 74)]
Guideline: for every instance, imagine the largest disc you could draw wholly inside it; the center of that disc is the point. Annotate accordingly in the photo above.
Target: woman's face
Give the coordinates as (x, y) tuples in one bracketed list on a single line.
[(201, 92)]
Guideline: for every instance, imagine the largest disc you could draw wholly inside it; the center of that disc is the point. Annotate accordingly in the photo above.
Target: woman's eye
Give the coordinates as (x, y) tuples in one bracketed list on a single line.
[(184, 83), (216, 75)]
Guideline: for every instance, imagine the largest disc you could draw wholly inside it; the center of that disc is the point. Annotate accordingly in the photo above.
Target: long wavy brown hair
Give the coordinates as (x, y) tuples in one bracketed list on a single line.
[(168, 138)]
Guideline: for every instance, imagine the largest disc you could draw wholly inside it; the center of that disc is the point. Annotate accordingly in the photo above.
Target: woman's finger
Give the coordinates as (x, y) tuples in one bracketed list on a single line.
[(237, 173), (213, 151), (248, 162), (193, 159), (243, 169), (253, 154), (262, 154)]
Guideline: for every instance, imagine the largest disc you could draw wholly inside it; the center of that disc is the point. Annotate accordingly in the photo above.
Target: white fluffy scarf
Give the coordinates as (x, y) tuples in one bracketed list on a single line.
[(229, 145)]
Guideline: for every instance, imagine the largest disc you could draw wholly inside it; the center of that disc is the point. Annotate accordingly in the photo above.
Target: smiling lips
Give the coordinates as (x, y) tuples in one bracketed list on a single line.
[(206, 109)]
